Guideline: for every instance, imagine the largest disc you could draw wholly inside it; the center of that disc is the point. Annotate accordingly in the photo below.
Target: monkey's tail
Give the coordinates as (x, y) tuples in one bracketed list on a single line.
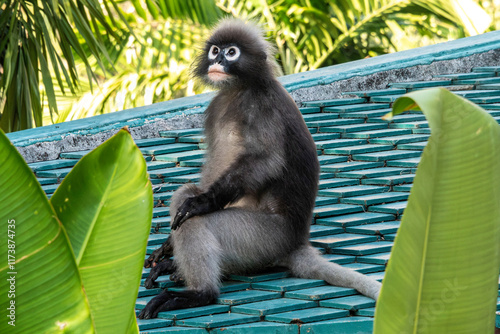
[(307, 262)]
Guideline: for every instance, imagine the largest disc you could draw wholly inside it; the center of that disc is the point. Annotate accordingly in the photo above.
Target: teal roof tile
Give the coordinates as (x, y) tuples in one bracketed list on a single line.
[(56, 173), (274, 306), (364, 268), (339, 259), (309, 110), (192, 163), (366, 312), (355, 127), (324, 144), (350, 166), (46, 181), (394, 208), (334, 102), (330, 210), (321, 230), (372, 199), (351, 303), (325, 185), (320, 293), (375, 228), (317, 137), (326, 159), (390, 180), (410, 162), (403, 187), (181, 133), (356, 219), (321, 201), (260, 277), (288, 284), (52, 164), (181, 156), (385, 98), (152, 165), (354, 191), (348, 150), (169, 148), (370, 114), (477, 93), (247, 296), (495, 69), (356, 107), (413, 146), (339, 240), (194, 312), (420, 84), (377, 133), (176, 330), (364, 248), (319, 116), (343, 325), (409, 125), (372, 172), (307, 315), (336, 209), (369, 93), (218, 320), (379, 258), (74, 155), (154, 141), (463, 76), (401, 118), (259, 328), (390, 155), (145, 324), (192, 139), (172, 171), (482, 99), (479, 81)]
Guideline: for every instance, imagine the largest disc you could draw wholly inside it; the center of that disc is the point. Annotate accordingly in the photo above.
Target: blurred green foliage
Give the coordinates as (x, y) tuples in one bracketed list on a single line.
[(67, 59)]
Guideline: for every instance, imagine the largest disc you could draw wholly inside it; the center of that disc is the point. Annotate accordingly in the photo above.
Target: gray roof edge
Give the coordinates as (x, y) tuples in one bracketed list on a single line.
[(194, 104)]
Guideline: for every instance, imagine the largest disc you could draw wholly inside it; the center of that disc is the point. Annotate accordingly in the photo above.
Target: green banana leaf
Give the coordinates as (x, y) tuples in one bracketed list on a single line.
[(443, 273), (106, 205), (47, 289)]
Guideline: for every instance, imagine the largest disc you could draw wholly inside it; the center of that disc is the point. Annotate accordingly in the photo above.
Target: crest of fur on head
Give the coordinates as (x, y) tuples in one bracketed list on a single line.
[(257, 61)]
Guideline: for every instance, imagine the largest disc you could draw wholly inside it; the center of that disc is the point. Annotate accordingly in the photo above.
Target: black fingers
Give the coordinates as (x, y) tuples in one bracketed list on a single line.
[(166, 266), (194, 206)]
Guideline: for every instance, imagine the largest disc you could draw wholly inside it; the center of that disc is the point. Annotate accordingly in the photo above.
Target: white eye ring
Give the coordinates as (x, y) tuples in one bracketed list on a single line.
[(232, 53), (213, 53)]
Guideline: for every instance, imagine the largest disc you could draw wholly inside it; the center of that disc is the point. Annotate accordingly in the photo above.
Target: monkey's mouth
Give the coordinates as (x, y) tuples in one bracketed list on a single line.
[(216, 73)]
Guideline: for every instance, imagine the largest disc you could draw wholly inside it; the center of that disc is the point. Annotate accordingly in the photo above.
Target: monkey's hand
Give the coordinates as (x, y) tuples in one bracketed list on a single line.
[(194, 206)]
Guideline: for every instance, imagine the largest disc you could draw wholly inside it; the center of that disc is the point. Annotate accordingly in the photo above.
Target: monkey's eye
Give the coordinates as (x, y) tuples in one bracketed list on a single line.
[(214, 51), (232, 53)]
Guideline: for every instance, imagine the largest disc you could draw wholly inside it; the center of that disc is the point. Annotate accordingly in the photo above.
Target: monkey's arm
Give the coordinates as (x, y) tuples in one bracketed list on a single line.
[(249, 173)]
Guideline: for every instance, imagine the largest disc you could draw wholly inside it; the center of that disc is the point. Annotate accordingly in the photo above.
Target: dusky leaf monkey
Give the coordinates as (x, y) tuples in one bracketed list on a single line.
[(254, 205)]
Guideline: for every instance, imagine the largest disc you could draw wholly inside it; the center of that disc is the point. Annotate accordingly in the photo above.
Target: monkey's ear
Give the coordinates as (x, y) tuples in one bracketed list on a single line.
[(263, 55)]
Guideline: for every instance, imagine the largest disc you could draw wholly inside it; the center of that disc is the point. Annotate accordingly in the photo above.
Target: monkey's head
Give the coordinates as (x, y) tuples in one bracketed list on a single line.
[(236, 53)]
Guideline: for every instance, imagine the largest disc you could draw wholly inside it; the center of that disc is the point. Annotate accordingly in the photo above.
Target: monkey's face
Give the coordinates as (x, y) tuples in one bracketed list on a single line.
[(221, 62), (234, 55)]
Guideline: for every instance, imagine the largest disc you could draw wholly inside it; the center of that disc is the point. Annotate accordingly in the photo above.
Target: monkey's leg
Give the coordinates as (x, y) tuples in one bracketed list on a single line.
[(306, 262), (159, 261), (207, 246)]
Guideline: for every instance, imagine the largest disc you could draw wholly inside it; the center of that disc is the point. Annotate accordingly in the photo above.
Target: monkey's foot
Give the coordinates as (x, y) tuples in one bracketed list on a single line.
[(164, 252), (173, 300), (166, 266)]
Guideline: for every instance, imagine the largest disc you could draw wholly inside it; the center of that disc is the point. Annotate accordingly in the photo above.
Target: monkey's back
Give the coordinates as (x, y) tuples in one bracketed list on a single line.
[(266, 124)]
